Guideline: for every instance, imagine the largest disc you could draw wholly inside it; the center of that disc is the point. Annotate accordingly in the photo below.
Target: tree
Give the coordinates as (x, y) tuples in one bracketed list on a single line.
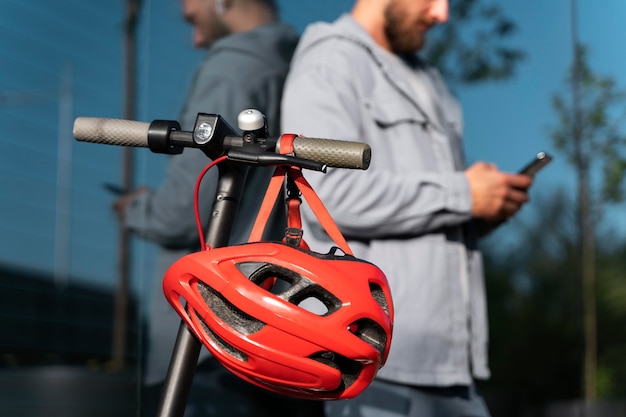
[(472, 46), (535, 309), (589, 135), (531, 286)]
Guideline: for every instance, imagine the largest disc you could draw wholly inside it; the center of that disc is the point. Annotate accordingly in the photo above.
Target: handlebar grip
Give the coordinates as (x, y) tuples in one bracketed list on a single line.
[(111, 131), (334, 153)]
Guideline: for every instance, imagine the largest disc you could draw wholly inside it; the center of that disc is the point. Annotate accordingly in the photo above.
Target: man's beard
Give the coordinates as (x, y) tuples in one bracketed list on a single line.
[(403, 35)]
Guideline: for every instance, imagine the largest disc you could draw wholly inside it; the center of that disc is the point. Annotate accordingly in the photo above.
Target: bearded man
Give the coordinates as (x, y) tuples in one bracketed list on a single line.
[(417, 212)]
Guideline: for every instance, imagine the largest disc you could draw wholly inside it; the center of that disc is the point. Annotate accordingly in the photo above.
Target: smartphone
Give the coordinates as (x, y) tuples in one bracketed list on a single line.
[(533, 167), (115, 189)]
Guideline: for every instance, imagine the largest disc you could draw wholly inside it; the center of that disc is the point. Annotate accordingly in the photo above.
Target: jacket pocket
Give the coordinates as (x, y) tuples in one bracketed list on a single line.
[(393, 111)]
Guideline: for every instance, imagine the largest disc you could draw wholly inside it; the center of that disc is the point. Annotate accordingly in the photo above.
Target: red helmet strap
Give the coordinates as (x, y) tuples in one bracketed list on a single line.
[(293, 233)]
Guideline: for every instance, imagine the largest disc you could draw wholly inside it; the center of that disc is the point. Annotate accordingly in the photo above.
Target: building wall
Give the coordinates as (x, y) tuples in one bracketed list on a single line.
[(64, 60), (58, 236)]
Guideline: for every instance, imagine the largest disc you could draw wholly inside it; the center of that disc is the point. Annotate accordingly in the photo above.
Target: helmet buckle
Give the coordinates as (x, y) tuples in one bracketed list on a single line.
[(293, 236)]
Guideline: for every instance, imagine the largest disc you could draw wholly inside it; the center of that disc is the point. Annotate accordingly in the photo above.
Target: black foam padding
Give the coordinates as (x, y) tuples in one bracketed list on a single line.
[(225, 347), (226, 311), (371, 333), (350, 370), (379, 296)]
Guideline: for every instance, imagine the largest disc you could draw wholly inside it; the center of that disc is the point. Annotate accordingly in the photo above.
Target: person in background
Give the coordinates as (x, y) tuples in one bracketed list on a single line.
[(248, 55), (417, 212)]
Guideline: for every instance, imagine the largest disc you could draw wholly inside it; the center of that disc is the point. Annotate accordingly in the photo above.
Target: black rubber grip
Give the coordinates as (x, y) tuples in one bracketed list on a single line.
[(334, 153), (111, 131)]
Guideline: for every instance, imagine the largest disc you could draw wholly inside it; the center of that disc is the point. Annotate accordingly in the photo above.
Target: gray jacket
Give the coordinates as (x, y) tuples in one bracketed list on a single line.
[(244, 70), (409, 213)]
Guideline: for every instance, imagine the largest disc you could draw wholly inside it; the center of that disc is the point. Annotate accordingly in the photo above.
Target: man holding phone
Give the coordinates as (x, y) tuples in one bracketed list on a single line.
[(417, 212)]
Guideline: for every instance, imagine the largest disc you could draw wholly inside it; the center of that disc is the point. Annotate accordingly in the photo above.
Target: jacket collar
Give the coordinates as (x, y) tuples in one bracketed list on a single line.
[(348, 28)]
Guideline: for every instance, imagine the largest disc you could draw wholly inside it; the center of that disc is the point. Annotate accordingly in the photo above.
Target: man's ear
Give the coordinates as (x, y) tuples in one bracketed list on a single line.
[(221, 6)]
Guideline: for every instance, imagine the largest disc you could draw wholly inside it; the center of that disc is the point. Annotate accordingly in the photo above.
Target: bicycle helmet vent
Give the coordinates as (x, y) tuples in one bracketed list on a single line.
[(296, 322)]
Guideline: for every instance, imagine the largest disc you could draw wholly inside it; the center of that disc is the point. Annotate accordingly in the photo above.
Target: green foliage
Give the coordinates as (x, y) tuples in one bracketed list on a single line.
[(611, 302), (535, 306), (473, 45), (532, 288), (590, 133)]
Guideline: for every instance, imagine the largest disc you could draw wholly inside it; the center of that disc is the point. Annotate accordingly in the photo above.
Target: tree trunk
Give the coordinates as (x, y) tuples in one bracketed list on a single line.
[(588, 274)]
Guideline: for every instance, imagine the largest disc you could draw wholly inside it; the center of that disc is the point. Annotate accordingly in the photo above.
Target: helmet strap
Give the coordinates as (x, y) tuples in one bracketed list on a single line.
[(293, 232), (295, 185)]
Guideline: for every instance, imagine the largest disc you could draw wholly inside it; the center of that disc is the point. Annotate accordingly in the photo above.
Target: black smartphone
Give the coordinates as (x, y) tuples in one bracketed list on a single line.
[(115, 189), (541, 160)]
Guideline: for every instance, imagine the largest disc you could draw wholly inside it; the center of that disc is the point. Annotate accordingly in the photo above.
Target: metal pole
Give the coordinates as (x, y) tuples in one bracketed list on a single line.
[(120, 313), (187, 348), (62, 223)]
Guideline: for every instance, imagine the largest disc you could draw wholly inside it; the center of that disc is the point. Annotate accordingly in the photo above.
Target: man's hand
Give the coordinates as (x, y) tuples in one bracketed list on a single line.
[(496, 195), (119, 205)]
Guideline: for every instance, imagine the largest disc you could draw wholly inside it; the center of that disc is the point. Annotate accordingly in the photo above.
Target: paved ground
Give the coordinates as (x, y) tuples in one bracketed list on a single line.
[(66, 392)]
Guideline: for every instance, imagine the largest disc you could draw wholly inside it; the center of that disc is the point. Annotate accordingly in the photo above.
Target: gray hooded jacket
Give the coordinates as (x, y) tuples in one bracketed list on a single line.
[(409, 213), (240, 71)]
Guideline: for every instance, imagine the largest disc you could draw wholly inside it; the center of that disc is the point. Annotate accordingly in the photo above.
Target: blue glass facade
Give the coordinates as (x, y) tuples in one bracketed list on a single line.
[(59, 262)]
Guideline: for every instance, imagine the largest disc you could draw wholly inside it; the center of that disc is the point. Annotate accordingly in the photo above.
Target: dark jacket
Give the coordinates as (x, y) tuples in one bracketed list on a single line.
[(240, 71)]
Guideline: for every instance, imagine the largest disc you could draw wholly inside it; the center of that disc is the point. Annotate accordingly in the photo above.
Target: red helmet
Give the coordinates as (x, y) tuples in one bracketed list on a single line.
[(289, 320)]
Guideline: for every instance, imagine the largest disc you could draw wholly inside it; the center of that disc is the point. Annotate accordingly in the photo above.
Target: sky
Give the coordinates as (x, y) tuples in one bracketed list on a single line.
[(46, 227), (508, 122)]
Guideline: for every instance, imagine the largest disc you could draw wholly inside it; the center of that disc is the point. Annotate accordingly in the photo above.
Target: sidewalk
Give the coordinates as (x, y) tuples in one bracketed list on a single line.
[(60, 391)]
